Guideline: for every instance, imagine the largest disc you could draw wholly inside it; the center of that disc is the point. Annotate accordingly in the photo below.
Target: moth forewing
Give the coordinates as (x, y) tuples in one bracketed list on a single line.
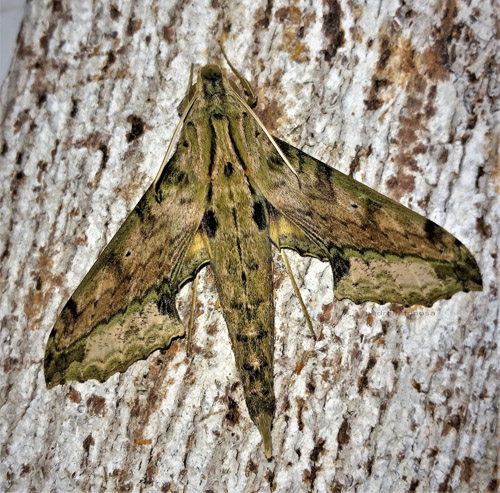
[(228, 191)]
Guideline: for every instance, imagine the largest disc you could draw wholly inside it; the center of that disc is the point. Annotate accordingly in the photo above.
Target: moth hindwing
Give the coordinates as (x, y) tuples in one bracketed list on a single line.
[(229, 192)]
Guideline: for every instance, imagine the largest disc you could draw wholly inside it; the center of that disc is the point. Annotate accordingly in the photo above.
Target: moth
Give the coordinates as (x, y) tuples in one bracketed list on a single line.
[(226, 194)]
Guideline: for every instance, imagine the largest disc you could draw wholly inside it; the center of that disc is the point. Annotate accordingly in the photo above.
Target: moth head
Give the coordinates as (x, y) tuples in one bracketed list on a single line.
[(211, 80)]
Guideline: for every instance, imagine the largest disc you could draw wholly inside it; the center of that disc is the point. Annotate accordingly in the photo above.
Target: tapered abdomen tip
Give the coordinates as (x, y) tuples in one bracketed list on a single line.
[(264, 423)]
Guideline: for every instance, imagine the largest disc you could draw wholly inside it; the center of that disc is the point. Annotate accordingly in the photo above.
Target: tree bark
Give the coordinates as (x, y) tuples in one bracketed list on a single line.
[(404, 99)]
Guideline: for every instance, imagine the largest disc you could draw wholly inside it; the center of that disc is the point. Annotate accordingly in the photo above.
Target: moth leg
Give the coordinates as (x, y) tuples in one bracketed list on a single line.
[(250, 93), (297, 292), (191, 316)]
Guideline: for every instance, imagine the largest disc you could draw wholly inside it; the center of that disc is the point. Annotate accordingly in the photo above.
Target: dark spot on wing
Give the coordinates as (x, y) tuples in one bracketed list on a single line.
[(166, 305), (259, 215), (324, 171), (228, 169), (340, 267), (275, 161), (243, 277), (182, 178), (71, 307), (141, 206), (210, 223), (432, 230), (218, 116), (355, 206)]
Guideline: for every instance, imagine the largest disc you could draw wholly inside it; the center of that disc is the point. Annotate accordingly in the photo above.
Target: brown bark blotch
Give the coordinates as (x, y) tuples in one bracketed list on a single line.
[(483, 228), (309, 476), (96, 405), (270, 113), (9, 363), (168, 33), (326, 313), (74, 396), (133, 26), (114, 12), (343, 434), (363, 379), (301, 404), (269, 477), (453, 422), (467, 469), (332, 27), (87, 443), (414, 484), (233, 413), (251, 468), (137, 127), (263, 16)]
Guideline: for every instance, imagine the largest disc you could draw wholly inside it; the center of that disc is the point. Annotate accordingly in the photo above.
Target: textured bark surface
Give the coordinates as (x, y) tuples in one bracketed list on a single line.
[(404, 99)]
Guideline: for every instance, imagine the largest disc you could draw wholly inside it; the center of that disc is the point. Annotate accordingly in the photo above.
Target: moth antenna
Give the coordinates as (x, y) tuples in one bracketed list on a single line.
[(172, 141), (191, 316), (190, 83), (252, 98), (297, 292), (269, 136)]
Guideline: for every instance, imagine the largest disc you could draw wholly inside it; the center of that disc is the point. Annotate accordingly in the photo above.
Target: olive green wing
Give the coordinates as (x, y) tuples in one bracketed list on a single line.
[(125, 306), (379, 250)]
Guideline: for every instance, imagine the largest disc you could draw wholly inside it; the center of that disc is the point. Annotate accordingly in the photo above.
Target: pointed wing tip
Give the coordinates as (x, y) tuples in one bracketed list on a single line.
[(50, 383)]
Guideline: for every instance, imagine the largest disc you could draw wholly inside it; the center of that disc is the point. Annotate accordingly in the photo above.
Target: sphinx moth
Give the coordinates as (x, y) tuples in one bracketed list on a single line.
[(228, 192)]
